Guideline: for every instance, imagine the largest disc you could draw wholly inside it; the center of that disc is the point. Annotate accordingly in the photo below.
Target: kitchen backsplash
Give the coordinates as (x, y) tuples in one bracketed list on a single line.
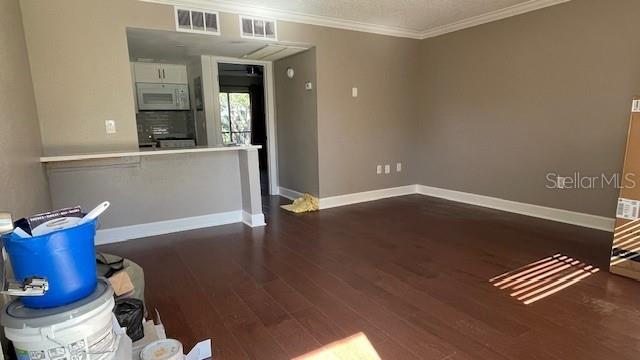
[(165, 124)]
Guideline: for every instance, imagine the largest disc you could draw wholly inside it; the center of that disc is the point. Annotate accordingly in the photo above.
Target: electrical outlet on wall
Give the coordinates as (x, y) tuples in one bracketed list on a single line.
[(399, 167), (110, 126), (379, 169), (387, 169)]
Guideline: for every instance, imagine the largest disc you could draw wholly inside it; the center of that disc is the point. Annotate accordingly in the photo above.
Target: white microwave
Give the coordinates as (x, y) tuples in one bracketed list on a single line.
[(162, 96)]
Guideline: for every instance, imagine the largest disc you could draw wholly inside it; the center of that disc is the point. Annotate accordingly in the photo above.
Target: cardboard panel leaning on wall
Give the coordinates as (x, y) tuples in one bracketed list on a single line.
[(23, 186), (625, 253), (80, 68)]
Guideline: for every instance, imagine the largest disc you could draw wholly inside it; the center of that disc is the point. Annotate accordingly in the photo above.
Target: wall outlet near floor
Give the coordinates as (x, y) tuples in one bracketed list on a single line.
[(379, 169), (110, 126), (399, 167), (387, 169)]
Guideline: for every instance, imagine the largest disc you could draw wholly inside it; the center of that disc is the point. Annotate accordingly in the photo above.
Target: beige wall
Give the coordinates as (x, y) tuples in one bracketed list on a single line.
[(297, 123), (150, 188), (549, 91), (377, 127), (488, 110), (82, 77), (23, 186), (80, 68)]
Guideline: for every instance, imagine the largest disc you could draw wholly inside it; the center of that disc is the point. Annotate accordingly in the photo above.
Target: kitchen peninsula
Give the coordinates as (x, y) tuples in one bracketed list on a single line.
[(160, 191)]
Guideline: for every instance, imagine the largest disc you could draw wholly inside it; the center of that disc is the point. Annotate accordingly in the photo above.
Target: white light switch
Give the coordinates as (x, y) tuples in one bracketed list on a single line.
[(110, 126), (398, 167), (379, 169), (387, 169), (354, 92)]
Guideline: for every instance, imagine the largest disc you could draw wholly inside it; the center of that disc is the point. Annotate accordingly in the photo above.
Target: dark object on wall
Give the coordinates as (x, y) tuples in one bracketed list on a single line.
[(130, 313), (258, 123), (197, 91)]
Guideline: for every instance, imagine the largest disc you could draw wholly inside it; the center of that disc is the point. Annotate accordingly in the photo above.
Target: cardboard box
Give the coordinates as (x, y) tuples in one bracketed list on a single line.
[(625, 253), (121, 283), (40, 224)]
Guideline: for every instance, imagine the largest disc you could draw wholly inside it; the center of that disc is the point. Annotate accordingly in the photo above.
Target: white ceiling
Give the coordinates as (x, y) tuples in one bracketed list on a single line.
[(407, 18), (416, 15), (181, 48)]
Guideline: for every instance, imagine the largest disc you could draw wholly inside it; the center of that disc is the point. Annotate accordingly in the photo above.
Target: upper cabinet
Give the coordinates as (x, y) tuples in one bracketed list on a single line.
[(160, 73), (174, 74)]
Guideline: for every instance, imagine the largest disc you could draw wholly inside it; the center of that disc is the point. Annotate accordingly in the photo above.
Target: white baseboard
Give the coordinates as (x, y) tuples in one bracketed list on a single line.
[(543, 212), (341, 200), (107, 236), (253, 220), (289, 194)]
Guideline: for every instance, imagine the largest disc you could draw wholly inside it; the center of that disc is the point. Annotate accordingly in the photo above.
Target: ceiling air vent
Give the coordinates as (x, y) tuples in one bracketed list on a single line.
[(197, 21), (258, 28), (274, 52)]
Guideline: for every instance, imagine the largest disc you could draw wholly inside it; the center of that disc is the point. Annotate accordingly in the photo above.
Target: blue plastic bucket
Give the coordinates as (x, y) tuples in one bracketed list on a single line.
[(66, 258)]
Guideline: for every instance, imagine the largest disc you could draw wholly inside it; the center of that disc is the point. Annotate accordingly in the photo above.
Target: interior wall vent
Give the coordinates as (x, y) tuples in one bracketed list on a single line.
[(258, 28), (197, 21)]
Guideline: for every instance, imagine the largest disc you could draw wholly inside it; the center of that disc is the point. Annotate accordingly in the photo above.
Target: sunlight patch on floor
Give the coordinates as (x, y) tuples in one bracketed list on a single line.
[(543, 278), (354, 347)]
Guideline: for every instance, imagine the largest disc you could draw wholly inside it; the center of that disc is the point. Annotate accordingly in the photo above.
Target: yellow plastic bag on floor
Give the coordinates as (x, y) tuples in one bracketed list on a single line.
[(303, 204)]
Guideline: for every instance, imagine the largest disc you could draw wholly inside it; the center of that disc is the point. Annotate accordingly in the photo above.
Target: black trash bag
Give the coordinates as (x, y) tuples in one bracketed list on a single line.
[(130, 313)]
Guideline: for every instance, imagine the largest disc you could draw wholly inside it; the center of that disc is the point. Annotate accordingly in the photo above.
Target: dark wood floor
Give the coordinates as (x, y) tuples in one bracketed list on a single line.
[(410, 272)]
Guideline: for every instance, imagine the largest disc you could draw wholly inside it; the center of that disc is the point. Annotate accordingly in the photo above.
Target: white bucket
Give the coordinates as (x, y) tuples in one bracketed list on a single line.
[(78, 331)]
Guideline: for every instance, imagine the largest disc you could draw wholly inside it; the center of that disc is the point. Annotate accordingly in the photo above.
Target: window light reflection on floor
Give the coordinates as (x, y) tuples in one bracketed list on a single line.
[(543, 278), (626, 242)]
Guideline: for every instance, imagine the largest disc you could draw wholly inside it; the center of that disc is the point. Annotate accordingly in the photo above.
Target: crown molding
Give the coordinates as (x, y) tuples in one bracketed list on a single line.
[(507, 12), (285, 15), (233, 7)]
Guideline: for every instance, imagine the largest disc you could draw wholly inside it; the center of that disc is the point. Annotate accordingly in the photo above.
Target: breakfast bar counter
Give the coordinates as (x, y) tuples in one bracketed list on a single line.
[(143, 152), (160, 191)]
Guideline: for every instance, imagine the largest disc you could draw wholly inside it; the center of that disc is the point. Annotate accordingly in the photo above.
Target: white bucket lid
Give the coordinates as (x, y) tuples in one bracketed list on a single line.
[(165, 349), (18, 316)]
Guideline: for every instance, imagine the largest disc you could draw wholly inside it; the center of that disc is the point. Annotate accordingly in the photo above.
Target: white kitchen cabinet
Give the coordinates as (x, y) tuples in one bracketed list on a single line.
[(160, 73), (148, 72), (174, 74)]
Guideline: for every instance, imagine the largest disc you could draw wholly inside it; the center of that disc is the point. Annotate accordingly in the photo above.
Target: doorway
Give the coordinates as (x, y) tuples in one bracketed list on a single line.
[(244, 110)]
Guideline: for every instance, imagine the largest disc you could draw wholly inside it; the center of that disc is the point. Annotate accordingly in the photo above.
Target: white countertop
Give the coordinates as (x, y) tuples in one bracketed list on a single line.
[(149, 152)]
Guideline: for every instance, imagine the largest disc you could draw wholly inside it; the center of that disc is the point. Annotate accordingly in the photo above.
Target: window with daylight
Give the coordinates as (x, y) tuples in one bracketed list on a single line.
[(235, 115)]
